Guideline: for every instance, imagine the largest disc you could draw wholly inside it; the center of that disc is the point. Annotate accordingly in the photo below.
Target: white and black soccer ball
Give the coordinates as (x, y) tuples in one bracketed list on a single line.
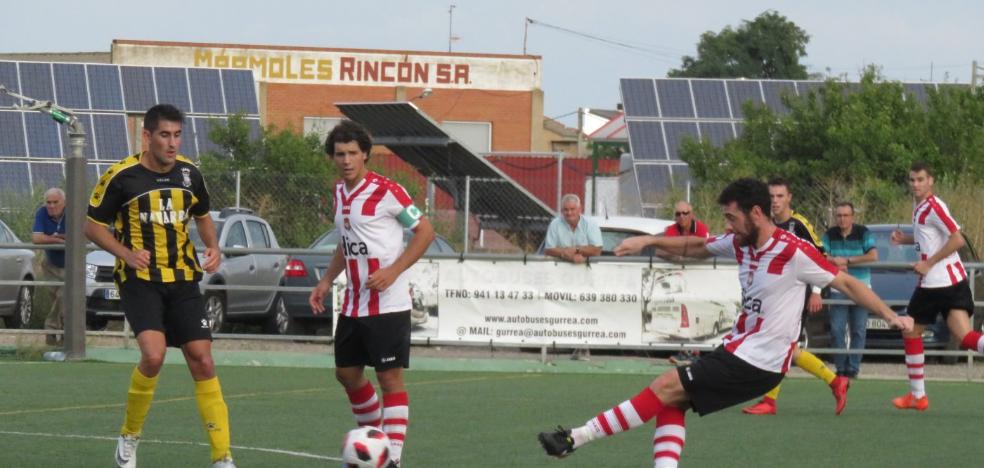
[(365, 447)]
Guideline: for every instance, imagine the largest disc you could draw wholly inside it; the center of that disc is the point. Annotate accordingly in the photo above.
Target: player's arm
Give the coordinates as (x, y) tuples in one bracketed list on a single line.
[(862, 295), (685, 246), (335, 268), (100, 235), (423, 235), (901, 238), (206, 229)]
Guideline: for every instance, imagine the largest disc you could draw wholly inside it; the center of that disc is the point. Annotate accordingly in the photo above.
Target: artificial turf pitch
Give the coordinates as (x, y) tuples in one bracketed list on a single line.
[(68, 415)]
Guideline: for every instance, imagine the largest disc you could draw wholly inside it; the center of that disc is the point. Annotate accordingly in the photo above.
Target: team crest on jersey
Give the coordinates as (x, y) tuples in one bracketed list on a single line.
[(186, 177), (347, 224)]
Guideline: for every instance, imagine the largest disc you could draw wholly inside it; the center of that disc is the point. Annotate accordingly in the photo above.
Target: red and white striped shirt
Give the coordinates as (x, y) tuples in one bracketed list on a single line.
[(932, 226), (371, 219), (773, 283)]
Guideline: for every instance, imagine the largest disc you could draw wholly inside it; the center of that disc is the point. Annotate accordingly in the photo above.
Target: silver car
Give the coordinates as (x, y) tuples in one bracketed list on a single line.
[(236, 228), (16, 302)]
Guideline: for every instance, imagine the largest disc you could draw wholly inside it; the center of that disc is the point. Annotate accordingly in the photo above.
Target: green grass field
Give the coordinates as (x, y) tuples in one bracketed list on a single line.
[(67, 415)]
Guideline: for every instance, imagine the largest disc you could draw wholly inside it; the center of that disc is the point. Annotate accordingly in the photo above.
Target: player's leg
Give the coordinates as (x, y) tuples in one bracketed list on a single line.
[(389, 353), (814, 366), (187, 327), (924, 307), (143, 306), (351, 357), (961, 308), (671, 434)]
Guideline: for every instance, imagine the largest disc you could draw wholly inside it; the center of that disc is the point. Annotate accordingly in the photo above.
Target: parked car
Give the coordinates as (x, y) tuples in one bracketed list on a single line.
[(16, 302), (615, 229), (236, 228), (293, 313), (897, 284)]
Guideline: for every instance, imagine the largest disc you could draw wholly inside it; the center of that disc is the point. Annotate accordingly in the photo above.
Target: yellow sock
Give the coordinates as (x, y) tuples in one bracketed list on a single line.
[(215, 416), (812, 364), (138, 398), (774, 393)]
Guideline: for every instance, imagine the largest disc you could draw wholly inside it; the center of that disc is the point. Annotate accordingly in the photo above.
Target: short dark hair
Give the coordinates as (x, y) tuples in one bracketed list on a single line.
[(921, 166), (347, 131), (779, 181), (162, 112), (747, 193), (847, 204)]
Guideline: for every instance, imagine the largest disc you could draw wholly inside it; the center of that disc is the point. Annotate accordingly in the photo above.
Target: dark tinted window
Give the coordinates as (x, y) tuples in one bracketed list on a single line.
[(237, 236)]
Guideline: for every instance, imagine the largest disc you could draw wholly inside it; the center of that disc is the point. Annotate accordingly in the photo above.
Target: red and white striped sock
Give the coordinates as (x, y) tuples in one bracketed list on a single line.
[(365, 406), (915, 362), (973, 341), (396, 414), (671, 432), (627, 415)]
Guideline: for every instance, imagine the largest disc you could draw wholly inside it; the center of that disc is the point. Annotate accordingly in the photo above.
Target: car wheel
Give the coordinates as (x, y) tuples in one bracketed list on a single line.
[(280, 321), (24, 308), (215, 311)]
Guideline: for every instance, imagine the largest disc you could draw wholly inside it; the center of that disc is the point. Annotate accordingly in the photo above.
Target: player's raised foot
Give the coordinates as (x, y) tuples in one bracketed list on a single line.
[(392, 464), (126, 451), (908, 401), (839, 387), (558, 443), (224, 463), (762, 408)]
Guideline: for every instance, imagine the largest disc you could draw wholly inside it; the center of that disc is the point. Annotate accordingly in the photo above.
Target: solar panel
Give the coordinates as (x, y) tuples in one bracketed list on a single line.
[(202, 126), (674, 98), (711, 99), (774, 90), (42, 136), (110, 133), (15, 176), (646, 140), (36, 80), (104, 87), (676, 132), (12, 134), (680, 175), (8, 78), (172, 87), (240, 91), (654, 180), (188, 146), (741, 92), (918, 91), (70, 86), (804, 88), (206, 91), (90, 145), (639, 98), (138, 88), (47, 175)]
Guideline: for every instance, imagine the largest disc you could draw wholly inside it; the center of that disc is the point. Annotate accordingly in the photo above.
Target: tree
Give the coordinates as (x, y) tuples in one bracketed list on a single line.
[(769, 47)]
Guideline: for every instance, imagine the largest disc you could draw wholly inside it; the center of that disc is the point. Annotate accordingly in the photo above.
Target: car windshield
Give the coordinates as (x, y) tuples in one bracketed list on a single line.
[(197, 239), (893, 253)]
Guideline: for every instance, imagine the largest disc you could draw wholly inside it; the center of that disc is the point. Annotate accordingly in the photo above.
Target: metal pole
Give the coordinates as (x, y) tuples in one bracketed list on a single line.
[(467, 210), (430, 209), (560, 180), (450, 23), (973, 74), (74, 298), (237, 188), (526, 32)]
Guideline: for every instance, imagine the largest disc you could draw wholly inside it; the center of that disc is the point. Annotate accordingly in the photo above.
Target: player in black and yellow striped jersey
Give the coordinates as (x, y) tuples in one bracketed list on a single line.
[(149, 199), (785, 218)]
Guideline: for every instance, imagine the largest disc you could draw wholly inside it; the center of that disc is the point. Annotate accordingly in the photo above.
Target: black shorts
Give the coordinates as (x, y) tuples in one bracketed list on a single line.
[(720, 379), (176, 309), (927, 303), (381, 341)]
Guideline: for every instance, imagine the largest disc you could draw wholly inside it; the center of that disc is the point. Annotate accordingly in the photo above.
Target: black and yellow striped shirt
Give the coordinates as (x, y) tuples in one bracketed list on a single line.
[(151, 211)]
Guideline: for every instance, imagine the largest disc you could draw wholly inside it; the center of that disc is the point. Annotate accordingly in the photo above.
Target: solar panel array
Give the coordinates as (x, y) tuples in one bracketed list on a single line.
[(32, 145), (661, 113)]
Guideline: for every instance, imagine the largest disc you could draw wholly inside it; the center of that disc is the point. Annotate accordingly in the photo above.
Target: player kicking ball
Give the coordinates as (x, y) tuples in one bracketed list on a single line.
[(774, 268)]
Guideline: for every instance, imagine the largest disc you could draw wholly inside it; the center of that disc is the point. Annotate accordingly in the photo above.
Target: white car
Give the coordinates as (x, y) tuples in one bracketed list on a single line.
[(16, 302)]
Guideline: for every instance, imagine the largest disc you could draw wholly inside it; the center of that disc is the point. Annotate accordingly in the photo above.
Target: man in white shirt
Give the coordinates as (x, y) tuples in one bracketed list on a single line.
[(571, 236), (775, 268), (943, 286)]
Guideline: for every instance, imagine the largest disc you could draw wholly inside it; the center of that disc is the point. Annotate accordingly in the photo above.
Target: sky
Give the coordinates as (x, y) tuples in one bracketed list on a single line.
[(912, 40)]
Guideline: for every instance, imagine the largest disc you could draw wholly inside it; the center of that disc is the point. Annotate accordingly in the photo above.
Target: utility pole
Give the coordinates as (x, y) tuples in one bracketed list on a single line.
[(74, 299), (526, 32), (975, 74), (450, 25)]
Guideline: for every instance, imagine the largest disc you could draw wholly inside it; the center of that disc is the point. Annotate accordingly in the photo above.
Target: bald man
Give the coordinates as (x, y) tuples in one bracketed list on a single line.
[(49, 228), (685, 223)]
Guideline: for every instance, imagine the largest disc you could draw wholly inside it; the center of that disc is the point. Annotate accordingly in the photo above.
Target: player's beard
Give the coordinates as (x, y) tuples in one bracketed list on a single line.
[(752, 236)]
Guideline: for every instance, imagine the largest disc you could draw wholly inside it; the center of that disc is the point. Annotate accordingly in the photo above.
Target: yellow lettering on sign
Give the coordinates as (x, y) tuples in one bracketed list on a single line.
[(259, 62), (203, 57), (324, 69)]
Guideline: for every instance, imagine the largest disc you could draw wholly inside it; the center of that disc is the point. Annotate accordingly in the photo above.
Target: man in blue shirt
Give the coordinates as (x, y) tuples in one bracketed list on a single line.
[(849, 244), (571, 236), (49, 228)]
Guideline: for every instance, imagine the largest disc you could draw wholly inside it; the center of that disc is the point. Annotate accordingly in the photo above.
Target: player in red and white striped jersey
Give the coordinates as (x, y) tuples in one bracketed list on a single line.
[(775, 268), (943, 286), (373, 327)]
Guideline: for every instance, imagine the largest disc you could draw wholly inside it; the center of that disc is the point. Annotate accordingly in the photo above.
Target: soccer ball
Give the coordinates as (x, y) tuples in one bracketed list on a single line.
[(365, 446)]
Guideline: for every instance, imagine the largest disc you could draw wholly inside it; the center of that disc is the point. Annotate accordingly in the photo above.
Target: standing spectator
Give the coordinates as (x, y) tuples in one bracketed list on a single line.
[(848, 245), (49, 228), (786, 219), (571, 236), (685, 222)]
